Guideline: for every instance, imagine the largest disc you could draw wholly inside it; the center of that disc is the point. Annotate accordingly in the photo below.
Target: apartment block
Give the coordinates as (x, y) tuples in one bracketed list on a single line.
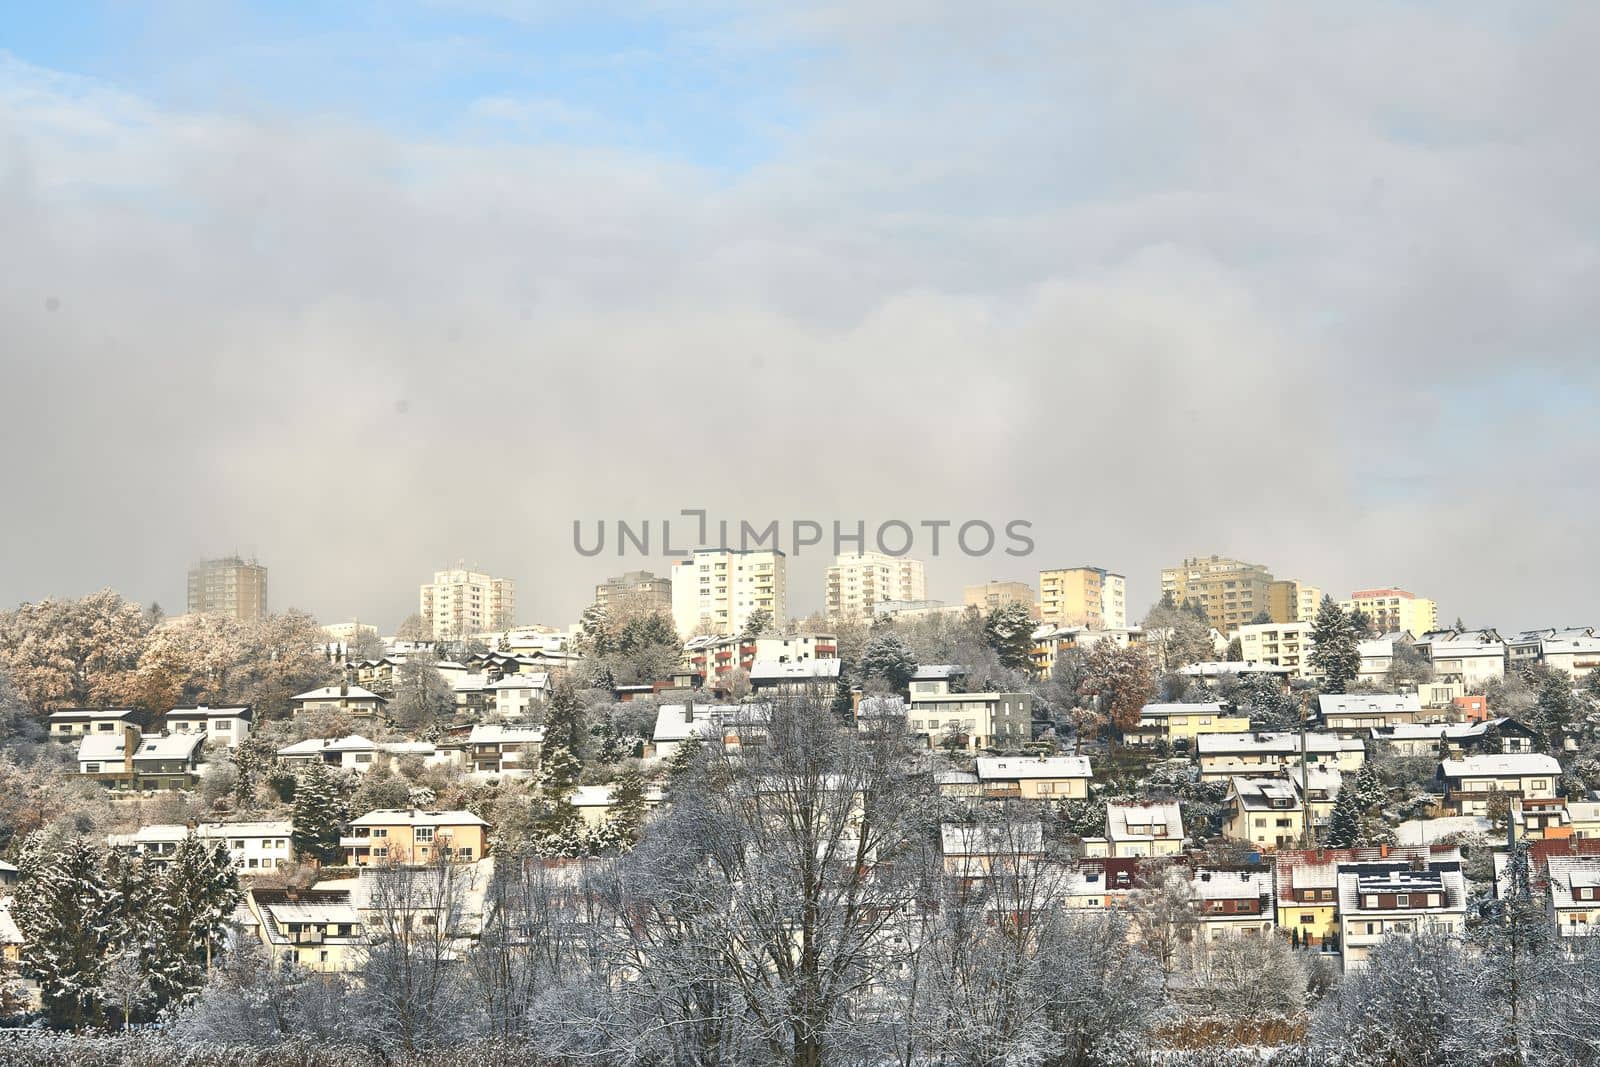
[(991, 595), (229, 586), (460, 603), (858, 582), (1394, 610), (636, 591), (1292, 601), (1232, 593), (1280, 644), (1084, 596), (717, 590)]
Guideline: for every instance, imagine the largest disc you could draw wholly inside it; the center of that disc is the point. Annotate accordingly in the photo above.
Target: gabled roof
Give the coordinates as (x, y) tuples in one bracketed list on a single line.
[(1567, 873), (334, 692), (168, 746), (417, 817), (1126, 822), (1277, 744), (1012, 768), (1519, 764), (91, 714), (201, 711), (935, 672), (1364, 703), (311, 746)]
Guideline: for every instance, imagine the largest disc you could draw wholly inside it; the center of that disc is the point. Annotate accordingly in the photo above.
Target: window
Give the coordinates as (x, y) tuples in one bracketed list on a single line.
[(424, 833), (1402, 901), (1306, 918), (1369, 902)]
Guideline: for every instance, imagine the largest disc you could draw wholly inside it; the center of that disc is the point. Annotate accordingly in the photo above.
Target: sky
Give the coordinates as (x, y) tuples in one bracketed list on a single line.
[(365, 290)]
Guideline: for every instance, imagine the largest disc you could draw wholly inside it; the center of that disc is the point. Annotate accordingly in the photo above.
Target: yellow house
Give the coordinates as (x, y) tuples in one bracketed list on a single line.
[(401, 835), (1307, 885), (1185, 722), (319, 929), (1575, 894), (1036, 777), (1265, 812), (1584, 817)]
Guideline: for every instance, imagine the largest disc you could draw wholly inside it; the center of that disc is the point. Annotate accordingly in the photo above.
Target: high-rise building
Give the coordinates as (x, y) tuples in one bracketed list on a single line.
[(991, 595), (639, 591), (460, 603), (1393, 610), (230, 586), (717, 590), (1084, 596), (1231, 592), (859, 581), (1292, 601)]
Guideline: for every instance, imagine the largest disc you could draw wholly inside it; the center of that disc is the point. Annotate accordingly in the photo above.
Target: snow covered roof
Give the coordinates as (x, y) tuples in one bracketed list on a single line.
[(1583, 811), (1012, 768), (320, 914), (672, 720), (1516, 764), (591, 796), (989, 839), (417, 817), (1570, 873), (334, 692), (1129, 821), (168, 746), (1359, 881), (935, 672), (881, 707), (536, 680), (311, 746), (489, 733), (1217, 668), (9, 934), (1265, 794), (1427, 831), (768, 670), (201, 711), (1281, 744), (100, 748), (1209, 884), (90, 714), (1159, 711), (1367, 703)]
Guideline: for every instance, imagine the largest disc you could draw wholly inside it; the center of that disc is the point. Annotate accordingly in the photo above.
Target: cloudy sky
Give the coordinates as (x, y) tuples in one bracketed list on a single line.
[(367, 294)]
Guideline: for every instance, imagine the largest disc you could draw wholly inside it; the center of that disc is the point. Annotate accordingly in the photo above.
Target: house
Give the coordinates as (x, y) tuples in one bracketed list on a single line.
[(130, 761), (1471, 782), (1232, 902), (319, 929), (1573, 649), (1378, 656), (1225, 755), (254, 846), (593, 802), (1141, 831), (1355, 714), (962, 784), (735, 724), (1388, 897), (1264, 812), (1584, 818), (1306, 886), (1281, 644), (1574, 883), (69, 723), (10, 936), (226, 725), (715, 658), (881, 713), (986, 850), (1182, 723), (8, 874), (973, 721), (1456, 738), (1540, 819), (1473, 657), (351, 752), (509, 750), (519, 696), (402, 835), (1035, 777), (1099, 884), (351, 700), (769, 676)]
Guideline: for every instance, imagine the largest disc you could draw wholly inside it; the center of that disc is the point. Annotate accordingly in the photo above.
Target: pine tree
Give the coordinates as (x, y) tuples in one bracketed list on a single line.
[(627, 807), (685, 762), (1336, 651), (1344, 825), (1370, 793), (318, 815), (68, 924), (199, 890), (1008, 630), (563, 719), (887, 659), (1556, 711)]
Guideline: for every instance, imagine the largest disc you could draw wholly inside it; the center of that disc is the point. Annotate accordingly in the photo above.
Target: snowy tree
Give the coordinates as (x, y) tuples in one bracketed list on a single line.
[(1556, 712), (1177, 636), (66, 917), (1514, 935), (1121, 679), (886, 659), (1345, 824), (628, 806), (1252, 978), (1268, 705), (1336, 651), (758, 623), (411, 992), (124, 986), (318, 815), (1164, 919), (1104, 989), (1369, 790), (197, 893), (421, 695), (564, 719), (1008, 630), (74, 653)]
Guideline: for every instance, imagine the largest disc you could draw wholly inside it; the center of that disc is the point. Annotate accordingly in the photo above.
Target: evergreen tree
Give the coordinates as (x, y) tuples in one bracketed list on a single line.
[(1370, 793), (759, 622), (318, 815), (68, 923), (563, 719), (627, 807), (1336, 653), (1008, 630), (887, 659), (1556, 712), (198, 891), (843, 702), (559, 827), (1344, 825), (685, 763)]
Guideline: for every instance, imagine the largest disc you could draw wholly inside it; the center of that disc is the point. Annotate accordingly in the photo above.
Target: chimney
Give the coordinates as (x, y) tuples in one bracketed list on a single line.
[(130, 745), (1383, 851)]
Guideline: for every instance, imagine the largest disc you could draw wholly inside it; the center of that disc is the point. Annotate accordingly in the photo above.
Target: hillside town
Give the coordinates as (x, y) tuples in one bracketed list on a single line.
[(688, 827)]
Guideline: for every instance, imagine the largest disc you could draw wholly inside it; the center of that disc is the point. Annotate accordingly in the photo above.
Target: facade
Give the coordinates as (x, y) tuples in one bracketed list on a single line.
[(227, 726), (1574, 894), (254, 846), (402, 835), (319, 929), (1382, 899), (715, 591), (858, 582), (1456, 738), (229, 586), (506, 750), (349, 700), (1378, 655), (1233, 593), (777, 676), (518, 696), (1143, 831), (1264, 812), (1292, 601), (1472, 782), (71, 723), (991, 595), (1281, 644), (1091, 597), (1225, 755), (640, 591), (1472, 657), (1049, 641), (1035, 778), (1175, 723), (715, 658), (460, 603), (1232, 903), (969, 720), (132, 761), (1575, 650), (1392, 610), (1356, 714)]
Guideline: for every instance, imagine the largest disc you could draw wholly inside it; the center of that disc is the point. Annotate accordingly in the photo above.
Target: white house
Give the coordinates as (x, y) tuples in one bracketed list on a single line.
[(70, 723), (254, 846), (517, 696), (351, 752), (1471, 782), (1224, 755), (1358, 713), (1473, 657), (227, 725), (1137, 831), (1397, 897)]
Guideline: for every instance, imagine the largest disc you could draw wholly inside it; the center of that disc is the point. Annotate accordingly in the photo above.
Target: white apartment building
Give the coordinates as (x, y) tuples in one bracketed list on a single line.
[(717, 590), (859, 581), (460, 603), (1281, 644), (230, 726)]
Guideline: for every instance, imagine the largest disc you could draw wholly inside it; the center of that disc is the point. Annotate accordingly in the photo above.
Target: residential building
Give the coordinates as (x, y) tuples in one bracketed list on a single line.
[(319, 929), (511, 751), (1355, 714), (348, 633), (70, 723), (1574, 894), (858, 582), (412, 835), (803, 676), (717, 657), (1232, 902), (1454, 739), (1180, 724), (1392, 610), (228, 726), (1036, 777), (1378, 656), (1387, 898), (1264, 812), (715, 591), (969, 720), (993, 594), (1232, 593), (344, 699), (1306, 885), (1091, 597), (635, 592), (1050, 641), (735, 725), (229, 586), (461, 603), (1292, 601), (519, 696), (1144, 831), (254, 846), (1574, 649), (1584, 818), (1472, 657), (978, 851), (1472, 782), (132, 761), (351, 752), (1281, 644), (1225, 755)]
